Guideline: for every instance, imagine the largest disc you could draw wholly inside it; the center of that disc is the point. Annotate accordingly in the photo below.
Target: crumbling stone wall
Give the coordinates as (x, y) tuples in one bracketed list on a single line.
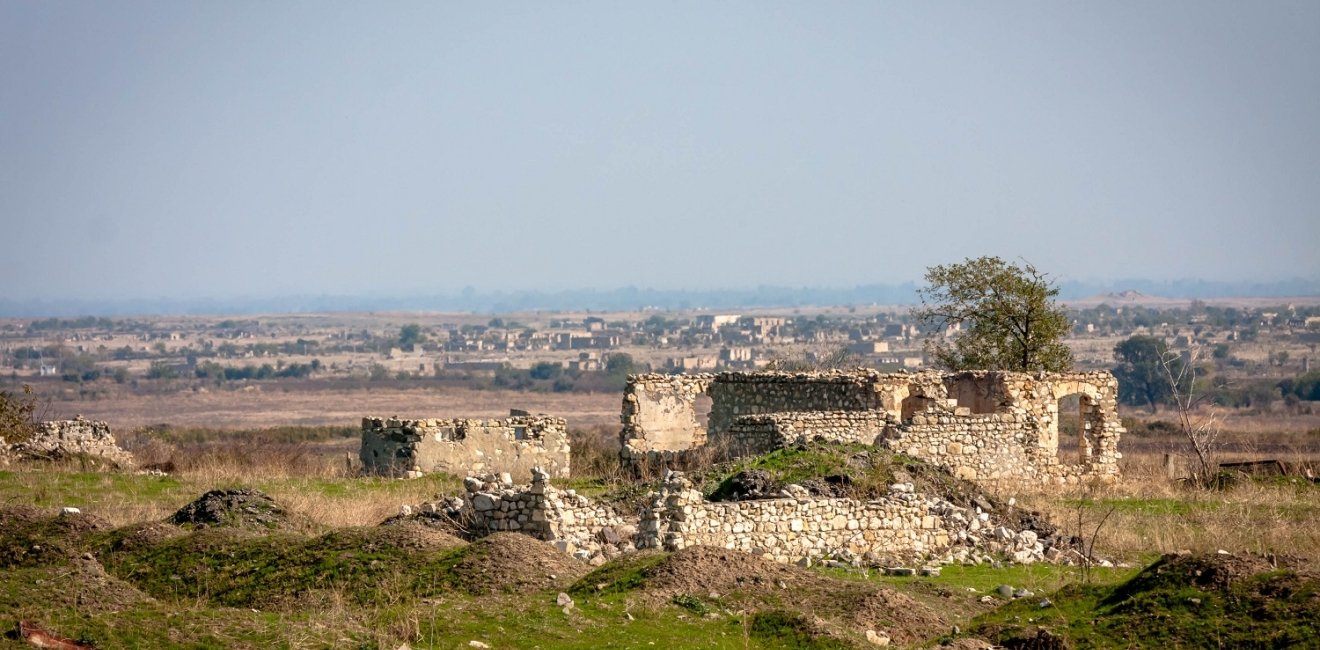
[(660, 419), (997, 428), (1018, 443), (514, 445), (660, 416), (901, 527), (64, 438), (736, 394), (571, 521)]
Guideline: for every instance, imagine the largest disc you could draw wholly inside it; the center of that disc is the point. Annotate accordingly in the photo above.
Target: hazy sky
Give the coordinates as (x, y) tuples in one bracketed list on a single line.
[(196, 149)]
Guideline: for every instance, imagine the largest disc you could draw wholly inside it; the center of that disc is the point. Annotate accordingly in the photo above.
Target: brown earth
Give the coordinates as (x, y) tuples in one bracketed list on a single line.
[(709, 572), (514, 563)]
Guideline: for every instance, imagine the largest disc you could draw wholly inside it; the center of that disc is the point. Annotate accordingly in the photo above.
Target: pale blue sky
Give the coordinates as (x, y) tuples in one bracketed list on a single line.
[(196, 149)]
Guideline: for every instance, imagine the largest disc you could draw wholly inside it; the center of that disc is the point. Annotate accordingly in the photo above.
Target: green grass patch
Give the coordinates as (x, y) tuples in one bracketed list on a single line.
[(985, 578), (1193, 602), (1153, 507), (55, 489), (621, 575)]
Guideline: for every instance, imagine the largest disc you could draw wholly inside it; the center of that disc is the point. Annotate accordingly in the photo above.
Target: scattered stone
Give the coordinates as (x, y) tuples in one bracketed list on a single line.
[(1004, 590), (237, 508), (875, 638)]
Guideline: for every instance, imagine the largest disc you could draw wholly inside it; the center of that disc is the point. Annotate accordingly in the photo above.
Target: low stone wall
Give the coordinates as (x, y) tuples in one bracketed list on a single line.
[(758, 434), (64, 438), (899, 528), (411, 448), (574, 523)]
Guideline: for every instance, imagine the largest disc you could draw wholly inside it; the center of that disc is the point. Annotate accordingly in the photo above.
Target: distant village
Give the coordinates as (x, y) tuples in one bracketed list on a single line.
[(568, 351)]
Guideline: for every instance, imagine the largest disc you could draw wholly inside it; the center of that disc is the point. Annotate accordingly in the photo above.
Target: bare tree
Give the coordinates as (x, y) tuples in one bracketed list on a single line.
[(1200, 430)]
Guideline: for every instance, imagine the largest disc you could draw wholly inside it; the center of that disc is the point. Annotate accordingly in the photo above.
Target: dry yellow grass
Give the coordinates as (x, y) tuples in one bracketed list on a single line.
[(1147, 513), (269, 407)]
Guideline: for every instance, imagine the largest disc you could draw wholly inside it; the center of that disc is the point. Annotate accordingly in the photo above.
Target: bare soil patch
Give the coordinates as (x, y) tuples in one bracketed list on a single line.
[(514, 563)]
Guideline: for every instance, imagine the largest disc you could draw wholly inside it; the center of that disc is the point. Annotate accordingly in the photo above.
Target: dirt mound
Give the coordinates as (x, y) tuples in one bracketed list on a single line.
[(32, 537), (905, 619), (704, 570), (433, 520), (89, 588), (1206, 571), (141, 536), (238, 508), (512, 563), (700, 570), (1211, 600), (748, 484)]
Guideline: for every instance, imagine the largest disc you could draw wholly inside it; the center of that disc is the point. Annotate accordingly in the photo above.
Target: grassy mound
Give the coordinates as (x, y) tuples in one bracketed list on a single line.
[(512, 563), (241, 568), (34, 537), (1206, 600)]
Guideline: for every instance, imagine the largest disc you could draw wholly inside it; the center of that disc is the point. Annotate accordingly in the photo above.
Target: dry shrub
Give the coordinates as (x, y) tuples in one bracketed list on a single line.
[(595, 453), (240, 456), (1154, 514)]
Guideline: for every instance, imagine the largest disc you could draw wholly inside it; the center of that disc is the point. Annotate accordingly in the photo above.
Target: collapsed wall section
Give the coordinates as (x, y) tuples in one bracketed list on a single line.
[(900, 527), (410, 448), (63, 438), (573, 522)]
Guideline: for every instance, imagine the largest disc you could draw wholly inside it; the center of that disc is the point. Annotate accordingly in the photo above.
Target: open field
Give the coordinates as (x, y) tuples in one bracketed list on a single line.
[(260, 407)]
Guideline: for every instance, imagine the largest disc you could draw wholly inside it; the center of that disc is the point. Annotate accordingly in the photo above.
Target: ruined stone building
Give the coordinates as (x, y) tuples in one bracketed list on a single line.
[(514, 445), (67, 438), (1000, 429)]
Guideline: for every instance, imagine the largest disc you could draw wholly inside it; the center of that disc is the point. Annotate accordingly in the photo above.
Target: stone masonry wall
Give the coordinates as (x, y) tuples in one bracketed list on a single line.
[(759, 434), (660, 419), (736, 394), (1019, 443), (547, 513), (61, 438), (898, 528), (998, 428), (410, 448)]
